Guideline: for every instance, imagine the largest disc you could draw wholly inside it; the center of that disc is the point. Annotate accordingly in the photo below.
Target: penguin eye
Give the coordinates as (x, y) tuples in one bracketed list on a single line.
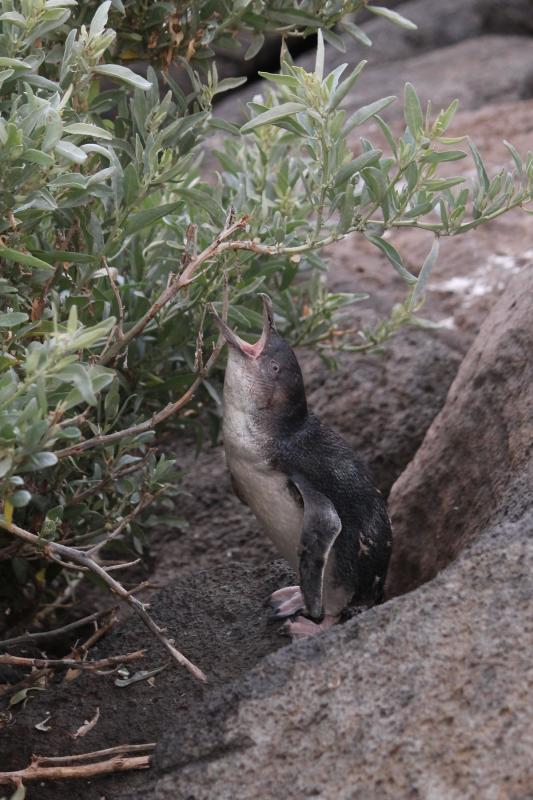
[(274, 366)]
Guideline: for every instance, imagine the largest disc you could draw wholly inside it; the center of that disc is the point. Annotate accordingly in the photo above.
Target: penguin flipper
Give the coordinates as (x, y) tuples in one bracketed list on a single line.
[(321, 526)]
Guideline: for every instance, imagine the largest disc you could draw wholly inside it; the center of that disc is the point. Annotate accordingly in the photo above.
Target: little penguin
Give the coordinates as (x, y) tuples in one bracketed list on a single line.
[(314, 498)]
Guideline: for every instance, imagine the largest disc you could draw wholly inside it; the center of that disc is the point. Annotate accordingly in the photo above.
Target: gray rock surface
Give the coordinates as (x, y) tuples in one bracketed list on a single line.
[(430, 695), (476, 461)]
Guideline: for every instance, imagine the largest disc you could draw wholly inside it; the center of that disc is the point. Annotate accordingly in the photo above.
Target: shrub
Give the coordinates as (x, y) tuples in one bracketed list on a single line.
[(113, 241)]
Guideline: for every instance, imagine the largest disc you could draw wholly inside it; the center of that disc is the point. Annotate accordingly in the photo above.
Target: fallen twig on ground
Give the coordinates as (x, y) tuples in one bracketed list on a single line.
[(69, 767), (74, 559), (43, 636), (66, 663)]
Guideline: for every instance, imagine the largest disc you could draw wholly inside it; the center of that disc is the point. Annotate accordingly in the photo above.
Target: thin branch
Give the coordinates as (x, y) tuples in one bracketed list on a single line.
[(54, 549), (67, 663), (141, 505), (118, 298), (168, 294), (170, 409), (119, 749), (43, 636), (78, 496)]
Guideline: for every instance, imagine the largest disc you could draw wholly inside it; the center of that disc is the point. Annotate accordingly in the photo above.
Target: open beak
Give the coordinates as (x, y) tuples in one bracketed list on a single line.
[(251, 350)]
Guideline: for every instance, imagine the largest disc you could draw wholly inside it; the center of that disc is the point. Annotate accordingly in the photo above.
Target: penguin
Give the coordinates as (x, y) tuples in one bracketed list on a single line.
[(313, 497)]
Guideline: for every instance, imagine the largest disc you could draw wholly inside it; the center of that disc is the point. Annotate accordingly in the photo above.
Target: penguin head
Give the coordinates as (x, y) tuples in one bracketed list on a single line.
[(264, 379)]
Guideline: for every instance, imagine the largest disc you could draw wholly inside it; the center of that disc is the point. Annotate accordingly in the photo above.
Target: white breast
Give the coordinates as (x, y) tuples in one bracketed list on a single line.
[(264, 489)]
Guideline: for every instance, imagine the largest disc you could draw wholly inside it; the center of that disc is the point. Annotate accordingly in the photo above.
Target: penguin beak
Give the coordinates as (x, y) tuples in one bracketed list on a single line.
[(247, 349)]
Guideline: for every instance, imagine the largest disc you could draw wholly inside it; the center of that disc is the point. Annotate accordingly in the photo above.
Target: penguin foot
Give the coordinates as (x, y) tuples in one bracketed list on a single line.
[(287, 602), (302, 627)]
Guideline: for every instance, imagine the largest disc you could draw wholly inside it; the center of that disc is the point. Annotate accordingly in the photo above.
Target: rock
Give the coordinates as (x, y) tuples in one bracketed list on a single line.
[(430, 695), (476, 452), (426, 697)]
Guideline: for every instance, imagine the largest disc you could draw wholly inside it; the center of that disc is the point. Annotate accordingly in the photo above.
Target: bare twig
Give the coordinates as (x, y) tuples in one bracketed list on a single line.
[(43, 636), (151, 422), (75, 653), (143, 502), (77, 497), (66, 663), (182, 280), (78, 419), (119, 749), (69, 767), (75, 559), (118, 298)]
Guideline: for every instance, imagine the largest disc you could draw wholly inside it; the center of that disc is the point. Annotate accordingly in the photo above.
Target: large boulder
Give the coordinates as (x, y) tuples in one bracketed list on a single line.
[(475, 464)]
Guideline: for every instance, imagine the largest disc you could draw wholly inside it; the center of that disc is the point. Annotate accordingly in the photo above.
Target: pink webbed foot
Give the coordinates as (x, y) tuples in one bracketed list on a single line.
[(302, 627), (287, 602)]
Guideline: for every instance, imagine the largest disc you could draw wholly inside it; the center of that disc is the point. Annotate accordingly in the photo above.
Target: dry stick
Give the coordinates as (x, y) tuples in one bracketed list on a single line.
[(35, 772), (143, 502), (41, 636), (155, 419), (66, 663), (39, 674), (172, 290), (118, 298), (119, 749), (51, 549)]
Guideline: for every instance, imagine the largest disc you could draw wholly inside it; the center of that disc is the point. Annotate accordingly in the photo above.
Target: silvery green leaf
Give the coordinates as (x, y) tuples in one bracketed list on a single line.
[(5, 74), (41, 460), (37, 157), (364, 160), (229, 83), (280, 78), (334, 40), (123, 74), (516, 158), (87, 129), (21, 498), (141, 219), (365, 112), (319, 60), (438, 184), (99, 20), (72, 322), (78, 376), (71, 152), (273, 115), (346, 85), (424, 274), (14, 63), (23, 258), (255, 46), (394, 258), (11, 319), (20, 792), (14, 17), (394, 17), (480, 166), (356, 33), (447, 155), (413, 111)]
